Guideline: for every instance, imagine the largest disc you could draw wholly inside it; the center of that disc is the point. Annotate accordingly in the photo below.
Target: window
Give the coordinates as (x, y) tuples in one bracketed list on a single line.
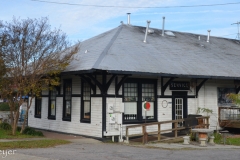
[(135, 93), (52, 104), (223, 99), (67, 100), (86, 103), (38, 107), (131, 100)]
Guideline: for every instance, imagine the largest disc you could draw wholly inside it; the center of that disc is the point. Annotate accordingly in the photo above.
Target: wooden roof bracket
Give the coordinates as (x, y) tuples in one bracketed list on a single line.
[(93, 87), (110, 81), (200, 86), (100, 86), (118, 85), (164, 87)]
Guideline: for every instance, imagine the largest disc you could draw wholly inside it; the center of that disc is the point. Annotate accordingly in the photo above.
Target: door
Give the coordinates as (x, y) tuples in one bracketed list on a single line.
[(179, 105)]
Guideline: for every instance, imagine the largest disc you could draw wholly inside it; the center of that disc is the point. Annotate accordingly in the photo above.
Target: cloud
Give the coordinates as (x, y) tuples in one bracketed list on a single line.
[(73, 18), (84, 22)]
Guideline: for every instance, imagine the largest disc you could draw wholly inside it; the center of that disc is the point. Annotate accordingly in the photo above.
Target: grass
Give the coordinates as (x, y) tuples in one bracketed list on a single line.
[(45, 143), (42, 143), (234, 141), (7, 134), (229, 141)]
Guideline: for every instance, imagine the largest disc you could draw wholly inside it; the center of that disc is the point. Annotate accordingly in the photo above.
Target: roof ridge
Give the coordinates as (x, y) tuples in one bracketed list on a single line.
[(104, 52)]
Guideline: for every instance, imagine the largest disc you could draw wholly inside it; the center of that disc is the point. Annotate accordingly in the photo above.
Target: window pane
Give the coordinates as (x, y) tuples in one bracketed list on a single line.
[(148, 92), (53, 95), (38, 106), (87, 109), (53, 107), (68, 91), (130, 110), (68, 109), (86, 101), (130, 92)]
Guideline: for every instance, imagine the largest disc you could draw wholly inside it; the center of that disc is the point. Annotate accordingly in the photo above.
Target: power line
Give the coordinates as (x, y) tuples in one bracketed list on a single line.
[(228, 35), (238, 35), (88, 5)]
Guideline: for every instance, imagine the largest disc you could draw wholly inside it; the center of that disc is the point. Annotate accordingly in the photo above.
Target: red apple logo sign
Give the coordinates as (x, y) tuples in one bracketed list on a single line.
[(146, 105)]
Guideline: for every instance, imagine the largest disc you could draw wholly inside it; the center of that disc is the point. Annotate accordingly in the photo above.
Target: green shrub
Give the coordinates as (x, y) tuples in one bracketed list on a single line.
[(217, 138), (5, 126), (4, 106), (31, 131), (19, 129)]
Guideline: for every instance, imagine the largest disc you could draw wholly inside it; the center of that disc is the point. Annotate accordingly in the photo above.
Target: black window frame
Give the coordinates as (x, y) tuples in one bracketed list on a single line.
[(52, 117), (82, 116), (67, 83), (38, 101), (139, 101)]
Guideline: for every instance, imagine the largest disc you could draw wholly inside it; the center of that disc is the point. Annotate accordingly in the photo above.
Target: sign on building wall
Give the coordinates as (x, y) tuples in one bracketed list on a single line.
[(175, 85), (223, 100)]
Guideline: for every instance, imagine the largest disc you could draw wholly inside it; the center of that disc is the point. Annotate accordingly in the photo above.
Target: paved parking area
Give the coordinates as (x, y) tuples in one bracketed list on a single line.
[(91, 149)]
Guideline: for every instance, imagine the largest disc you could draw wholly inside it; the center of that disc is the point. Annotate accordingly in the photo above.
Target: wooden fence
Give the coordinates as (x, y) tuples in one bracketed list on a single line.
[(203, 122)]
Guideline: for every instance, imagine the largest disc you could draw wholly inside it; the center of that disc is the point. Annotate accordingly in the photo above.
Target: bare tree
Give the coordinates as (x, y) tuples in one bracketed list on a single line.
[(34, 56)]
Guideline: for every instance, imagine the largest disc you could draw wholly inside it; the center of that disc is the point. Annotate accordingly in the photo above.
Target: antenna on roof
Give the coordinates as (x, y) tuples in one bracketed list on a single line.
[(238, 34)]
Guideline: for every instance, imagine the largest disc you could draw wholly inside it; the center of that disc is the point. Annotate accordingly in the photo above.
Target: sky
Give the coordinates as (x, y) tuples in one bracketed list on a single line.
[(88, 18)]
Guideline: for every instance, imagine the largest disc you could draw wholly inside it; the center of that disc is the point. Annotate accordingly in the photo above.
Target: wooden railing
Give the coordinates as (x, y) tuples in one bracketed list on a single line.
[(175, 129)]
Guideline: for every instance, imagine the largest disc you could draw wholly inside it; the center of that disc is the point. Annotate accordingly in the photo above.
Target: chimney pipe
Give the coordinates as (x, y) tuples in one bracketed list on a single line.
[(208, 35), (128, 14), (145, 39), (163, 26)]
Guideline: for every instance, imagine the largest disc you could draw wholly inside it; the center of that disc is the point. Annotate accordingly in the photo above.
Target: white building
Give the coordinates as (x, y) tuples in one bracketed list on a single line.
[(176, 72)]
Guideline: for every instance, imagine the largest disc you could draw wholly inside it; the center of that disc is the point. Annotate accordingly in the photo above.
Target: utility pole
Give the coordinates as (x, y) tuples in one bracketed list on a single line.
[(238, 34)]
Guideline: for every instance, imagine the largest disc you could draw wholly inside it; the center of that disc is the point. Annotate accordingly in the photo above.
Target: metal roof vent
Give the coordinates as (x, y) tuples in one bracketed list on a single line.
[(163, 26), (150, 31), (146, 32), (208, 37), (128, 14), (169, 33)]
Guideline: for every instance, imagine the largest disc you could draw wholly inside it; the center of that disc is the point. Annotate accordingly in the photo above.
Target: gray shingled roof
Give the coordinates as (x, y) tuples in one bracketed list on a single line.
[(122, 50)]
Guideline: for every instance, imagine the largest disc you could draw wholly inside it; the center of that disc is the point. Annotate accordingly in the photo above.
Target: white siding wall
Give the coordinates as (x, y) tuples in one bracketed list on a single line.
[(165, 112), (207, 99), (93, 129)]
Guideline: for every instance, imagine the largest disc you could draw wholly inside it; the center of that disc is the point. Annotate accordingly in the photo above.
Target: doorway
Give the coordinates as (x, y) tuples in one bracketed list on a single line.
[(179, 105)]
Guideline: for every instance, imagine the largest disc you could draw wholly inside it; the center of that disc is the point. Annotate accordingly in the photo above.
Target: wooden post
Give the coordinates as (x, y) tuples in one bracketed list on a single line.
[(145, 135), (159, 131), (127, 134), (175, 129), (207, 122)]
